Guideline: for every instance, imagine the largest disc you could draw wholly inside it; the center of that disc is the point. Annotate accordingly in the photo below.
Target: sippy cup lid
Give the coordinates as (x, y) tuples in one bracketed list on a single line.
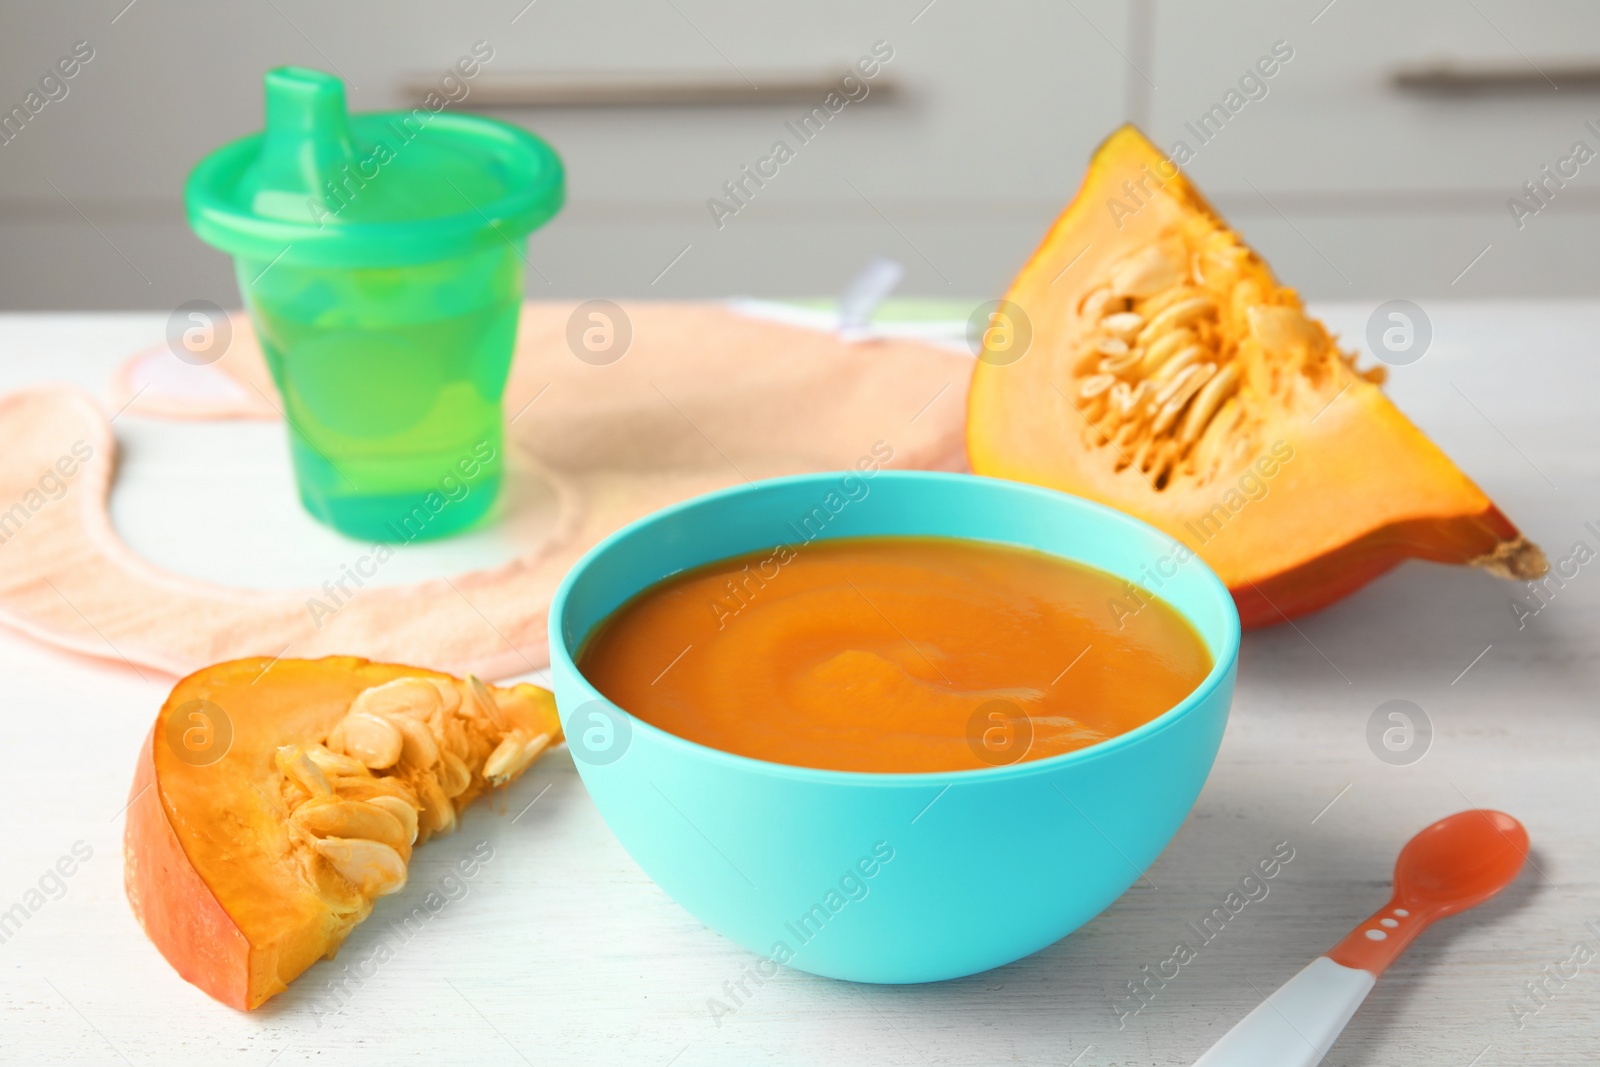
[(321, 187)]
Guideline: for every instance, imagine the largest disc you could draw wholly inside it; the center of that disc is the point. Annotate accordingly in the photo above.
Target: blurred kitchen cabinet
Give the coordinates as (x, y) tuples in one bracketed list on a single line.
[(968, 141), (993, 110), (1333, 119), (1356, 185)]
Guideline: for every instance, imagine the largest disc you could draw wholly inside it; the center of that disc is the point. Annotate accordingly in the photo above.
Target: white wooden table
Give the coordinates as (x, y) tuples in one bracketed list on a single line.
[(561, 951)]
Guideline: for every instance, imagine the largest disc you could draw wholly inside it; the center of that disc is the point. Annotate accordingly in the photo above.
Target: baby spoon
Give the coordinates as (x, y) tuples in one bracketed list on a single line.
[(1457, 863)]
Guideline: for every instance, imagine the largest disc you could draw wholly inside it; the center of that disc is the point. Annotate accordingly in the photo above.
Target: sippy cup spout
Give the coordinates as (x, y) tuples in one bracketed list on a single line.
[(308, 139)]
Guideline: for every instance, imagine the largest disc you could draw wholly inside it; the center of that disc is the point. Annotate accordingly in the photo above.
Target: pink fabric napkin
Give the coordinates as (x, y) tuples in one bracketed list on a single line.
[(704, 398)]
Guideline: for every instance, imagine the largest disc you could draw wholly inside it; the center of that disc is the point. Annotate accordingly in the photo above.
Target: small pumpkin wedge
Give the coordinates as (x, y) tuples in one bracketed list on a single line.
[(1170, 375), (274, 802)]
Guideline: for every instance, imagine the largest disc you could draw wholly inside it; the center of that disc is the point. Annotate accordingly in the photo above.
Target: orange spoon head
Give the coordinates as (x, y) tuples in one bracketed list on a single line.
[(1460, 861)]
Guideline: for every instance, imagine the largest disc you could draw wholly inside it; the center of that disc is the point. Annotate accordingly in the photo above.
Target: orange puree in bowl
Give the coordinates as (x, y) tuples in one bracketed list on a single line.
[(895, 654)]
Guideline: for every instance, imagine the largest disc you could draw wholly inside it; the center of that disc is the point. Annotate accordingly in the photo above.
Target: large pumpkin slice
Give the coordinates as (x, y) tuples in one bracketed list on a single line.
[(275, 802), (1171, 376)]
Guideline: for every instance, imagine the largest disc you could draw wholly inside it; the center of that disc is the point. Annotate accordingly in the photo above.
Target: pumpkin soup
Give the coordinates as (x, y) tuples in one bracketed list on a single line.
[(895, 654)]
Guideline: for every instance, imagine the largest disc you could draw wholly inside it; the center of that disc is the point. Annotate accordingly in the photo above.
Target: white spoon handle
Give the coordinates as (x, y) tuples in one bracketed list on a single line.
[(1296, 1025)]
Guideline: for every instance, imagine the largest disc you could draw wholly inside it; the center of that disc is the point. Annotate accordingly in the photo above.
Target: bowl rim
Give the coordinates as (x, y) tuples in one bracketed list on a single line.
[(1222, 668)]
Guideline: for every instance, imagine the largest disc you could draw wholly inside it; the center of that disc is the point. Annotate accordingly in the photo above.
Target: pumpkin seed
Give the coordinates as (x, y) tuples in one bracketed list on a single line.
[(408, 697), (512, 756), (375, 869), (332, 817), (454, 777), (1093, 387), (1164, 349), (298, 768), (1207, 402), (438, 814), (1146, 273), (1123, 325), (1180, 314), (404, 813), (373, 740), (417, 745), (331, 763)]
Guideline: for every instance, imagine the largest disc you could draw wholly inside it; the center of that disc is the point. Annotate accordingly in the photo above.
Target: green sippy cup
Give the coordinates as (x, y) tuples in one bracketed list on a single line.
[(380, 256)]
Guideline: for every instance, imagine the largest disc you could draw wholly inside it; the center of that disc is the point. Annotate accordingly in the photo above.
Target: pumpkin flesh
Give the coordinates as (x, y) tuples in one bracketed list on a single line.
[(1171, 376), (228, 885)]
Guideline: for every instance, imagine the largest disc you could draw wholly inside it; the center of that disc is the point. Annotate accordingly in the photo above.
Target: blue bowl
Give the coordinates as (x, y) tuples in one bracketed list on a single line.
[(891, 877)]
